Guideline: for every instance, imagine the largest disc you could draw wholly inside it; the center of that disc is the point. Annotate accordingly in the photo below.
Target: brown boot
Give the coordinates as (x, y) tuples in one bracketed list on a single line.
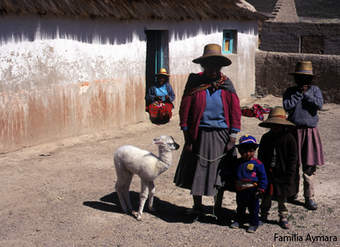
[(310, 204)]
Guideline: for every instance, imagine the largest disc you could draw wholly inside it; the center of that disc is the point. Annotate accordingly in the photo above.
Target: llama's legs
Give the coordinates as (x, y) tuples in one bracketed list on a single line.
[(119, 190), (142, 199), (152, 190), (126, 191), (122, 187)]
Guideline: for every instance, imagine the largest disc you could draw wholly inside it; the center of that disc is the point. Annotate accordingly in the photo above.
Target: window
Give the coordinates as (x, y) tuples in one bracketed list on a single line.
[(229, 41)]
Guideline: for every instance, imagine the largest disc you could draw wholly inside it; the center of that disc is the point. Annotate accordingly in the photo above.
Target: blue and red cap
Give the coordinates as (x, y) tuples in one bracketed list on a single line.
[(249, 140)]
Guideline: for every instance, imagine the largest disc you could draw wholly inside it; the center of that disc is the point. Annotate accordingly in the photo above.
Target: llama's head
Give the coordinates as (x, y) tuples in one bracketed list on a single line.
[(166, 142)]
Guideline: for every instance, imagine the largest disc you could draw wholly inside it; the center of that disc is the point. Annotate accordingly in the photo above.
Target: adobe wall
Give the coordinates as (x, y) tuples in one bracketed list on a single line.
[(285, 37), (272, 70)]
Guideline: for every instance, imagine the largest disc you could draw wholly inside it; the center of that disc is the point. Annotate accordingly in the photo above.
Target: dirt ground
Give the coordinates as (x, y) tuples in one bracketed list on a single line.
[(62, 194)]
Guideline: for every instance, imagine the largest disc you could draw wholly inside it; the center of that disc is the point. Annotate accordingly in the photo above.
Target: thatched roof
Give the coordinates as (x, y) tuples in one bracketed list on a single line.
[(134, 9)]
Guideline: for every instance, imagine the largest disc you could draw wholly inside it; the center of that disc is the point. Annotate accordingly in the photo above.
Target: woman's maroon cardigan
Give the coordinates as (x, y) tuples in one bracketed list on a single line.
[(193, 105)]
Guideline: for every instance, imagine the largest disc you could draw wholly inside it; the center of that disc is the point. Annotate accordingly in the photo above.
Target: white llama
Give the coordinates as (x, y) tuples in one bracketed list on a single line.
[(130, 160)]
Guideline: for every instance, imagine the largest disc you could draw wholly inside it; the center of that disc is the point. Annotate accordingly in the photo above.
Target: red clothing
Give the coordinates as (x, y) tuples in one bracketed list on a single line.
[(193, 105)]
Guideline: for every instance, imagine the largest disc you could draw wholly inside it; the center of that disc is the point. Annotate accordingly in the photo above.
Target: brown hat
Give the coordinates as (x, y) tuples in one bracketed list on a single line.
[(277, 116), (162, 71), (303, 68), (213, 51)]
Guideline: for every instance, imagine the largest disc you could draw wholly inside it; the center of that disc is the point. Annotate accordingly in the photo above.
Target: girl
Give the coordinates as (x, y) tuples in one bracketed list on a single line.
[(302, 102)]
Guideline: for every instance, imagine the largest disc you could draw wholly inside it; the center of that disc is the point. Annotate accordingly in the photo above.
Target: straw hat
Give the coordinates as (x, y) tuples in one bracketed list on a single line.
[(303, 68), (213, 52), (162, 71), (277, 116)]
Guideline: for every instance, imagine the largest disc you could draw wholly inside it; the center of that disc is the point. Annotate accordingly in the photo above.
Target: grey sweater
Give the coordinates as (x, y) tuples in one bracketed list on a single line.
[(303, 108)]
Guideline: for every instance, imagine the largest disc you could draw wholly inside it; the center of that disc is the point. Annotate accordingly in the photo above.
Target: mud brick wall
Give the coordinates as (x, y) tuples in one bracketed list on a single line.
[(286, 37), (272, 76)]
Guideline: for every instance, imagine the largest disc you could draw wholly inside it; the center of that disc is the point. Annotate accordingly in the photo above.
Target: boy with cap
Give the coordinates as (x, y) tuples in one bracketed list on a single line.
[(278, 152), (251, 181)]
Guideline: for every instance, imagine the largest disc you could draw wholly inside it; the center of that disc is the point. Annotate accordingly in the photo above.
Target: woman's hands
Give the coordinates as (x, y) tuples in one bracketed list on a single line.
[(304, 88), (231, 143), (158, 98), (187, 141)]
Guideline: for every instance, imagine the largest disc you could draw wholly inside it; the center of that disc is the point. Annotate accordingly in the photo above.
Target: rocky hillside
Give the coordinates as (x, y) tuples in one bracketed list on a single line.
[(325, 9)]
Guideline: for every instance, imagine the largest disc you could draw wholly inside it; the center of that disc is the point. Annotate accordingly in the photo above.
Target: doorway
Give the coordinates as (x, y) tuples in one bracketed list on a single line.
[(157, 54)]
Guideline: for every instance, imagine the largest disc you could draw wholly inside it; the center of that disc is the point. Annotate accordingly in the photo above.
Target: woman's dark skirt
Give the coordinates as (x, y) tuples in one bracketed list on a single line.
[(198, 170)]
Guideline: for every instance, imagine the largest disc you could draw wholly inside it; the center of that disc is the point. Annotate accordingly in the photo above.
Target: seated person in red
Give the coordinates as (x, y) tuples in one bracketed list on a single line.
[(251, 181), (159, 98)]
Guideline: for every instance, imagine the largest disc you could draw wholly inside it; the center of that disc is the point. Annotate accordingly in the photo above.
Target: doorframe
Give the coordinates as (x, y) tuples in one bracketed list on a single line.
[(157, 54)]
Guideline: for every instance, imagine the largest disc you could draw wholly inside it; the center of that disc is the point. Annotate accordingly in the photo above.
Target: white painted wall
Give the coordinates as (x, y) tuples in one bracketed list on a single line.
[(242, 69), (61, 78), (67, 77)]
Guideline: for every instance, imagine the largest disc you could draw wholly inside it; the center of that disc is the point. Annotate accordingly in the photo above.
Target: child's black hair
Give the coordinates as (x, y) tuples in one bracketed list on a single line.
[(247, 146)]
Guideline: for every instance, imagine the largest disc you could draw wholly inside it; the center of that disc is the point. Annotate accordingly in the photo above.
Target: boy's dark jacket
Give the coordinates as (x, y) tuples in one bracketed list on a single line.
[(251, 171), (283, 174), (230, 168)]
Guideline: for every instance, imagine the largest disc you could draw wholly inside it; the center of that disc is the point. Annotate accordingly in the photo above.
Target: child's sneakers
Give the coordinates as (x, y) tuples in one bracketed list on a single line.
[(284, 223), (252, 229), (235, 225)]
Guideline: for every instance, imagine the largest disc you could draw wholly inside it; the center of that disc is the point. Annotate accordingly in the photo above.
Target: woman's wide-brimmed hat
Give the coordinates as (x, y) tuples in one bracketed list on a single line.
[(162, 71), (303, 68), (213, 53), (277, 116)]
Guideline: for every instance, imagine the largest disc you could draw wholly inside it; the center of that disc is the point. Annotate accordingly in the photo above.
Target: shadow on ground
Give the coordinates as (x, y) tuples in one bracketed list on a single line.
[(164, 210)]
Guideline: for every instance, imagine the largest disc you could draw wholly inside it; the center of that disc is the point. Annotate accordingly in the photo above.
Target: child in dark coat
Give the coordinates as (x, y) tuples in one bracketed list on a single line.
[(251, 181), (278, 152)]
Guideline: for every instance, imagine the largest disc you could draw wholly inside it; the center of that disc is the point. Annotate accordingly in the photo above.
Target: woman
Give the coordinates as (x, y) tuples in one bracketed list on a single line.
[(210, 119), (159, 98), (302, 102)]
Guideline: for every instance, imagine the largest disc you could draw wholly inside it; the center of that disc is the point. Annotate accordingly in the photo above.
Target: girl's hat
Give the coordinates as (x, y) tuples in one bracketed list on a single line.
[(162, 71), (277, 116), (213, 53), (247, 140), (303, 68)]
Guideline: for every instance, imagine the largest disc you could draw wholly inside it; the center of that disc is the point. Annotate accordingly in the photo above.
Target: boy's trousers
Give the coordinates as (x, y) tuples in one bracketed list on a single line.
[(247, 198)]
